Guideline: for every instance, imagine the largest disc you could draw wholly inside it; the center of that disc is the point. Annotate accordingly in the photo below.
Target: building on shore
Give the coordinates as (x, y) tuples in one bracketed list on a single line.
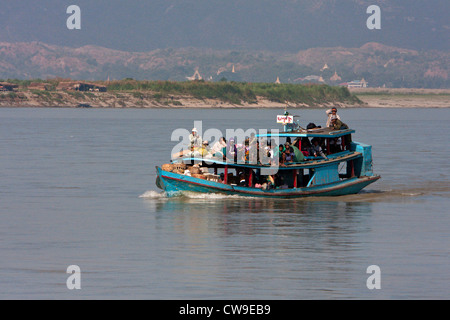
[(5, 86), (80, 86), (356, 84), (311, 78)]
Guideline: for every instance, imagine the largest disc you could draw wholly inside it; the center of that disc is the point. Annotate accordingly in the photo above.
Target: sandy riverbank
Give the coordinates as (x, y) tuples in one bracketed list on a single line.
[(121, 99), (371, 97), (403, 98)]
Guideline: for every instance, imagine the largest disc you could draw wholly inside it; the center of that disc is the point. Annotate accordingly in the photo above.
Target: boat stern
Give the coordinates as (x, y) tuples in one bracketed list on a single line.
[(363, 165)]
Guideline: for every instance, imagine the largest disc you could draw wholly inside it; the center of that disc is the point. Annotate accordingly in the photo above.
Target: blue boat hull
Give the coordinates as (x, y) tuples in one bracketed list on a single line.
[(174, 183)]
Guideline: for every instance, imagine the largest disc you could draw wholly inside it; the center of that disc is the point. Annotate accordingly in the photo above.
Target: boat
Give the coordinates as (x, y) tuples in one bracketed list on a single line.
[(84, 105), (344, 169)]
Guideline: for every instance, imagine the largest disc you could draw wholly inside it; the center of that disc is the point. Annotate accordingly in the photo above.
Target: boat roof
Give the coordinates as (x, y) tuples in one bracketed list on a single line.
[(316, 132)]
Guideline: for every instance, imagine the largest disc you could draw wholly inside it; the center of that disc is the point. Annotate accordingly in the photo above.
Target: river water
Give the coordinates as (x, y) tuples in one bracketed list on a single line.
[(77, 187)]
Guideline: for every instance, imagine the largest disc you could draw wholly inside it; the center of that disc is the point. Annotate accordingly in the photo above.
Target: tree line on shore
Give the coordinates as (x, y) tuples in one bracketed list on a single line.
[(225, 91)]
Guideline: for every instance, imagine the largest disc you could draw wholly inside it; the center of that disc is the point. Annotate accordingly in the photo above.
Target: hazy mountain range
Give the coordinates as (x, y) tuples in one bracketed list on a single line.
[(262, 39), (376, 63)]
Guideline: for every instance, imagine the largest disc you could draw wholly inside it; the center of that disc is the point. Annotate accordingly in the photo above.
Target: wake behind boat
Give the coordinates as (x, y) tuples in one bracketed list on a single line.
[(311, 162)]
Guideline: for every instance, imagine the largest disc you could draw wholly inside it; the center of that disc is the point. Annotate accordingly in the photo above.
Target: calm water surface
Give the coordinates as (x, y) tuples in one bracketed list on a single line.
[(77, 187)]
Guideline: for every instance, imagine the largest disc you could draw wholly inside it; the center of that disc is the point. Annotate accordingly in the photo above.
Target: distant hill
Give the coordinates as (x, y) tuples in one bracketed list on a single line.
[(378, 64)]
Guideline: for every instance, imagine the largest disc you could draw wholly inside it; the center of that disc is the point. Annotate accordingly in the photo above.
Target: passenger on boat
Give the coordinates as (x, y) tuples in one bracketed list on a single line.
[(242, 180), (202, 151), (253, 151), (280, 153), (335, 145), (332, 113), (312, 125), (252, 139), (246, 149), (269, 151), (337, 124), (231, 150), (206, 147), (194, 139), (240, 153), (288, 155), (219, 148), (316, 149), (306, 145)]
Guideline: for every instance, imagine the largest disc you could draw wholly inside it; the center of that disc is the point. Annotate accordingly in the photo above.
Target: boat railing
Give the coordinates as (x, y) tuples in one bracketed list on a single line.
[(308, 163)]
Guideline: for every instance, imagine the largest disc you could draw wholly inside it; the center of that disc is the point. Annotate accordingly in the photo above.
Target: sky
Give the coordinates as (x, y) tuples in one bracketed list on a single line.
[(282, 25)]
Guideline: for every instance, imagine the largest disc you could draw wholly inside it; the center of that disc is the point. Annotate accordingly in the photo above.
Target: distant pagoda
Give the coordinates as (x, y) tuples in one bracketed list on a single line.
[(196, 76), (335, 77)]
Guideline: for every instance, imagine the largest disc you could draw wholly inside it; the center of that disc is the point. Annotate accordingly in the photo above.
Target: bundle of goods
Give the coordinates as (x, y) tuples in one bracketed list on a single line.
[(167, 167), (195, 170), (200, 176), (179, 168)]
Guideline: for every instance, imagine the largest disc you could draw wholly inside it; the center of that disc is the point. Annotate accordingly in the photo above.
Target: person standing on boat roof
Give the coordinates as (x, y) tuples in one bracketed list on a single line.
[(332, 114), (194, 139)]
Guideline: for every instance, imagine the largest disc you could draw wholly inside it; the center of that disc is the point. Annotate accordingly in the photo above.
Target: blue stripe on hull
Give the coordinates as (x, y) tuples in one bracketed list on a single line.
[(174, 183)]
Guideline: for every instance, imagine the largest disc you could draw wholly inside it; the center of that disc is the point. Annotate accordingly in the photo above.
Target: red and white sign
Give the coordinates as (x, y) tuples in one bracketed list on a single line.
[(285, 119)]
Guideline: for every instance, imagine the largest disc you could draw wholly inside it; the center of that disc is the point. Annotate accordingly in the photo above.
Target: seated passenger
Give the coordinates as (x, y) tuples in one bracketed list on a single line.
[(316, 150), (306, 145), (219, 148), (288, 155), (240, 152), (280, 153), (337, 124), (202, 151), (335, 145), (231, 150), (242, 180)]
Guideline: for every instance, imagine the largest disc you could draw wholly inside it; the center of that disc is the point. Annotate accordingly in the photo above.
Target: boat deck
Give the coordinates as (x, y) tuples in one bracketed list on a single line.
[(308, 163), (309, 133)]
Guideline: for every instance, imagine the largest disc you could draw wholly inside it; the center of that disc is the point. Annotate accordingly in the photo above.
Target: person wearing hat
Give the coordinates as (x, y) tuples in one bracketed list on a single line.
[(332, 114), (205, 149), (205, 145), (337, 124), (202, 151), (194, 139)]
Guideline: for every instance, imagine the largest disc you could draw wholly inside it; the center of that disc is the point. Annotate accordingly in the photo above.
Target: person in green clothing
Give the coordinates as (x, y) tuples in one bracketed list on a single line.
[(337, 124)]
